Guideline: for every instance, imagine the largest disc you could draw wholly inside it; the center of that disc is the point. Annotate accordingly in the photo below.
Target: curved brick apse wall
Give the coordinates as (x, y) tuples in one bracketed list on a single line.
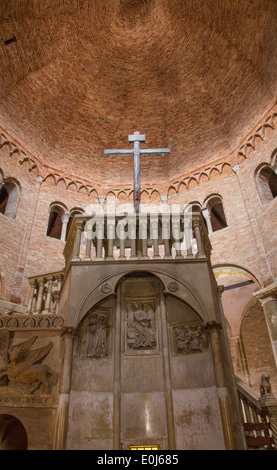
[(79, 77)]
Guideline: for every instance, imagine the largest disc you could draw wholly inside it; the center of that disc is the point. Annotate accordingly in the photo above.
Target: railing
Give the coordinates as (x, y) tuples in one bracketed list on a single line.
[(136, 236), (44, 296), (256, 420)]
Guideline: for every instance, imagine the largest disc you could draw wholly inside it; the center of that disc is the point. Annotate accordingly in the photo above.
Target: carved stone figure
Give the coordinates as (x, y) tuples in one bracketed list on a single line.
[(142, 330), (94, 336), (25, 366), (189, 340), (265, 387)]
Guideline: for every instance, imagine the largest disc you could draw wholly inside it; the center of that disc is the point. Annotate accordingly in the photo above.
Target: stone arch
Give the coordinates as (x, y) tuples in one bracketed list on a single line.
[(266, 181), (9, 197), (214, 205), (54, 225), (106, 286), (247, 330), (13, 435), (254, 336)]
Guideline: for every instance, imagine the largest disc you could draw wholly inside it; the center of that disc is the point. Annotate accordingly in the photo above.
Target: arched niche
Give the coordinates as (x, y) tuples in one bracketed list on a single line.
[(13, 435), (140, 299), (105, 287)]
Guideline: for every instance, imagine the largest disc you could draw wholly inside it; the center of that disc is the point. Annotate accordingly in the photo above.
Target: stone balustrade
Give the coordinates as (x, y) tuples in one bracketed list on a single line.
[(44, 293), (167, 236), (259, 416)]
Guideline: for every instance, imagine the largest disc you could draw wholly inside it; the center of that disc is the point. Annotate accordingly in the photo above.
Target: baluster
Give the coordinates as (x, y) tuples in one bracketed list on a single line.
[(143, 236), (88, 231), (33, 284), (76, 254), (200, 253), (176, 236), (47, 308), (188, 232), (120, 226), (40, 296), (100, 236), (111, 237), (132, 234), (166, 236), (155, 237)]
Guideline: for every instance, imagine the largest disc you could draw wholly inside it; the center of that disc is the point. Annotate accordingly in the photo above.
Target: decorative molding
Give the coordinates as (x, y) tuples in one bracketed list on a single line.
[(186, 182), (172, 286), (27, 400), (31, 322)]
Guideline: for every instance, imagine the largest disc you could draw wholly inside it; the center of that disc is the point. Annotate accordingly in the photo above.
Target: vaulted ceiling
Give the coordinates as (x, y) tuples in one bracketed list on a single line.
[(79, 76)]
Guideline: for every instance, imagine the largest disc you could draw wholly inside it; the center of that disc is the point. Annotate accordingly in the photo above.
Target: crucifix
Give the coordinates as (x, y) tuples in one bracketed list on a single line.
[(136, 151)]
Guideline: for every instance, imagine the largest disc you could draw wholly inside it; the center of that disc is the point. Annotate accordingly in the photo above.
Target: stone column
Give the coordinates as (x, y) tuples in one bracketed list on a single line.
[(176, 229), (117, 375), (143, 235), (99, 238), (120, 226), (196, 226), (49, 295), (166, 235), (223, 394), (268, 299), (65, 219), (77, 242), (64, 395), (88, 233), (188, 233), (111, 237), (167, 375), (33, 284), (207, 217), (41, 283), (155, 237), (132, 220)]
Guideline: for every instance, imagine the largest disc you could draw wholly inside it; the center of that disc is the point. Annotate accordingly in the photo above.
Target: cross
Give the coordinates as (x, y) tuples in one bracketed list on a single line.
[(136, 151)]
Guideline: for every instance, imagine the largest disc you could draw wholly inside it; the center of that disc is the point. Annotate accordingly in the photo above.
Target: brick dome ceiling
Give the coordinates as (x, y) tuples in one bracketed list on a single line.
[(79, 76)]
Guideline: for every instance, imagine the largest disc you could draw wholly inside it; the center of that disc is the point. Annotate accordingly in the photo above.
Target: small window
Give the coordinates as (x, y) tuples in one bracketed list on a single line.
[(54, 229), (217, 215), (4, 196), (71, 216), (9, 199), (267, 183)]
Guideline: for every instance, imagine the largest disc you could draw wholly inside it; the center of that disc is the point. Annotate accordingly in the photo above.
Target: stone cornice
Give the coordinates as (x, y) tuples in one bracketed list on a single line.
[(267, 293)]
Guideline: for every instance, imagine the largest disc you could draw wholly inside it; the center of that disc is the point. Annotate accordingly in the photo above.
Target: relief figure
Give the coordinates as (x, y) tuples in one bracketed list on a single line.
[(189, 340), (142, 330), (24, 366), (94, 337)]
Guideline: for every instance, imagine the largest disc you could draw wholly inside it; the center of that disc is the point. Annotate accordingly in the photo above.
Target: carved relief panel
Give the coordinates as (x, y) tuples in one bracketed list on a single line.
[(141, 326), (189, 339), (94, 334)]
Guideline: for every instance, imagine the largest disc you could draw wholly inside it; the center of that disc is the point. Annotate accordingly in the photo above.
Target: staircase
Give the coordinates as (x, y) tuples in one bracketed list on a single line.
[(258, 417)]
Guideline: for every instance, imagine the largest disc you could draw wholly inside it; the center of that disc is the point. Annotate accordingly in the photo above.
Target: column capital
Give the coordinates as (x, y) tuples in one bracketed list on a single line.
[(68, 331), (213, 325), (65, 218), (220, 290)]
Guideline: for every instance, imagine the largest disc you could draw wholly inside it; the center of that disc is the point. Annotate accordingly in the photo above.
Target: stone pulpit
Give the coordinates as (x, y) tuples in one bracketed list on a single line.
[(133, 333)]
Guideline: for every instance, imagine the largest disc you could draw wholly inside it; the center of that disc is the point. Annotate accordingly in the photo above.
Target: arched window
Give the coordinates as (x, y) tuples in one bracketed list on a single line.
[(71, 216), (216, 219), (54, 229), (9, 196), (267, 182)]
